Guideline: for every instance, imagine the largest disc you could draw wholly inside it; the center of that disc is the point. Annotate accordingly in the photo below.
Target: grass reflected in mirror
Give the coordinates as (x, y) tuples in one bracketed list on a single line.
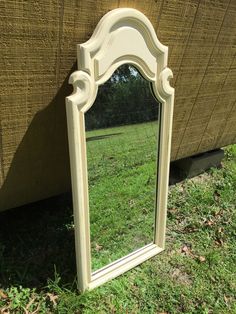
[(122, 141), (122, 191)]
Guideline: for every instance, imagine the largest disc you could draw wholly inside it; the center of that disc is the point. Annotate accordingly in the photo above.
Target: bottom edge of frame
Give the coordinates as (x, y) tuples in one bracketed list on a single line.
[(122, 265)]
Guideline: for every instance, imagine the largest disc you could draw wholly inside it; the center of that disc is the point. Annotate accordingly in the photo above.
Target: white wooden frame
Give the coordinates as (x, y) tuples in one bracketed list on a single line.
[(122, 36)]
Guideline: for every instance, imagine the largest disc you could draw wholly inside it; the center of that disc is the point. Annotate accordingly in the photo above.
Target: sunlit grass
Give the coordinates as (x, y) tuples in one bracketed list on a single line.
[(122, 184), (195, 274)]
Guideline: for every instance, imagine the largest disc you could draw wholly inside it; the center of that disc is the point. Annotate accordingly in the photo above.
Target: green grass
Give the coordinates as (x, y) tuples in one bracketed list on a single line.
[(122, 176), (195, 274)]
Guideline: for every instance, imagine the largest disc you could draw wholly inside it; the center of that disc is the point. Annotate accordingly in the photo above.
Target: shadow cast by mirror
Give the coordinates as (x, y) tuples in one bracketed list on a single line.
[(38, 239), (40, 166)]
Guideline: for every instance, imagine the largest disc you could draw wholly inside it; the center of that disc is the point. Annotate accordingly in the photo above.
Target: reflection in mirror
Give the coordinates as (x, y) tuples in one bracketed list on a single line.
[(122, 143)]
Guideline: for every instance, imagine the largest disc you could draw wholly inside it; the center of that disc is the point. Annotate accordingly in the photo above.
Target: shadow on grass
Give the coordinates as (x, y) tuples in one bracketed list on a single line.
[(36, 240), (101, 137)]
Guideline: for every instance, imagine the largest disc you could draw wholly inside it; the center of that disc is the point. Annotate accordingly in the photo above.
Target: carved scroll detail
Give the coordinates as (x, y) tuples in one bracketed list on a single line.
[(164, 87), (84, 90)]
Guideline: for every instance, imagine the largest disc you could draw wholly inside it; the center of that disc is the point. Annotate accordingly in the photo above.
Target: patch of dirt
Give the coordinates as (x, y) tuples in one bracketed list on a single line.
[(201, 178), (181, 277)]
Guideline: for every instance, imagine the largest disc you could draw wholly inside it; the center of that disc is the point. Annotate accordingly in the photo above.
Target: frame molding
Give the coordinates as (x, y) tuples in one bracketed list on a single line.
[(122, 36)]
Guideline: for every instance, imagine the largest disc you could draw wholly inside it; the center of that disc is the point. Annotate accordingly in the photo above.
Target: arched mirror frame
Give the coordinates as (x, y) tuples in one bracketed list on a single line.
[(122, 36)]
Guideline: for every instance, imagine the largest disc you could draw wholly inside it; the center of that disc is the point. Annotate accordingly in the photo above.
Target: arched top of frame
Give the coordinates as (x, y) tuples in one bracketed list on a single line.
[(122, 36)]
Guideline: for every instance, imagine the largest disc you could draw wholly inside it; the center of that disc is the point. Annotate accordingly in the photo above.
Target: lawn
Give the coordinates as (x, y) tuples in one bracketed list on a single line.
[(122, 178), (195, 274)]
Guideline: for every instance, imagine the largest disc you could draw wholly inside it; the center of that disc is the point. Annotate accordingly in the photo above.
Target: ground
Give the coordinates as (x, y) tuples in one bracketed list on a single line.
[(195, 274)]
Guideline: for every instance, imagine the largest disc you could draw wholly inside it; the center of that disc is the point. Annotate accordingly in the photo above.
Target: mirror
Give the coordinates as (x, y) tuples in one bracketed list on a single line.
[(122, 132), (114, 141)]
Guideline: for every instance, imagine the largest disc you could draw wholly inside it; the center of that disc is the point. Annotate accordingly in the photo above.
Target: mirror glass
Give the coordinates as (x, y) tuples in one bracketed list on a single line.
[(122, 131)]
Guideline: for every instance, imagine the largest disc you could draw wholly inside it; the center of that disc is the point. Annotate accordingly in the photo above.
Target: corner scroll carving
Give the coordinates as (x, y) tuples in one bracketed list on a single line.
[(164, 88), (84, 90)]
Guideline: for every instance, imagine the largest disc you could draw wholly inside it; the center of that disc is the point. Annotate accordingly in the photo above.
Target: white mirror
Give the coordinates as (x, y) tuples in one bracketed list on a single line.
[(119, 127)]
